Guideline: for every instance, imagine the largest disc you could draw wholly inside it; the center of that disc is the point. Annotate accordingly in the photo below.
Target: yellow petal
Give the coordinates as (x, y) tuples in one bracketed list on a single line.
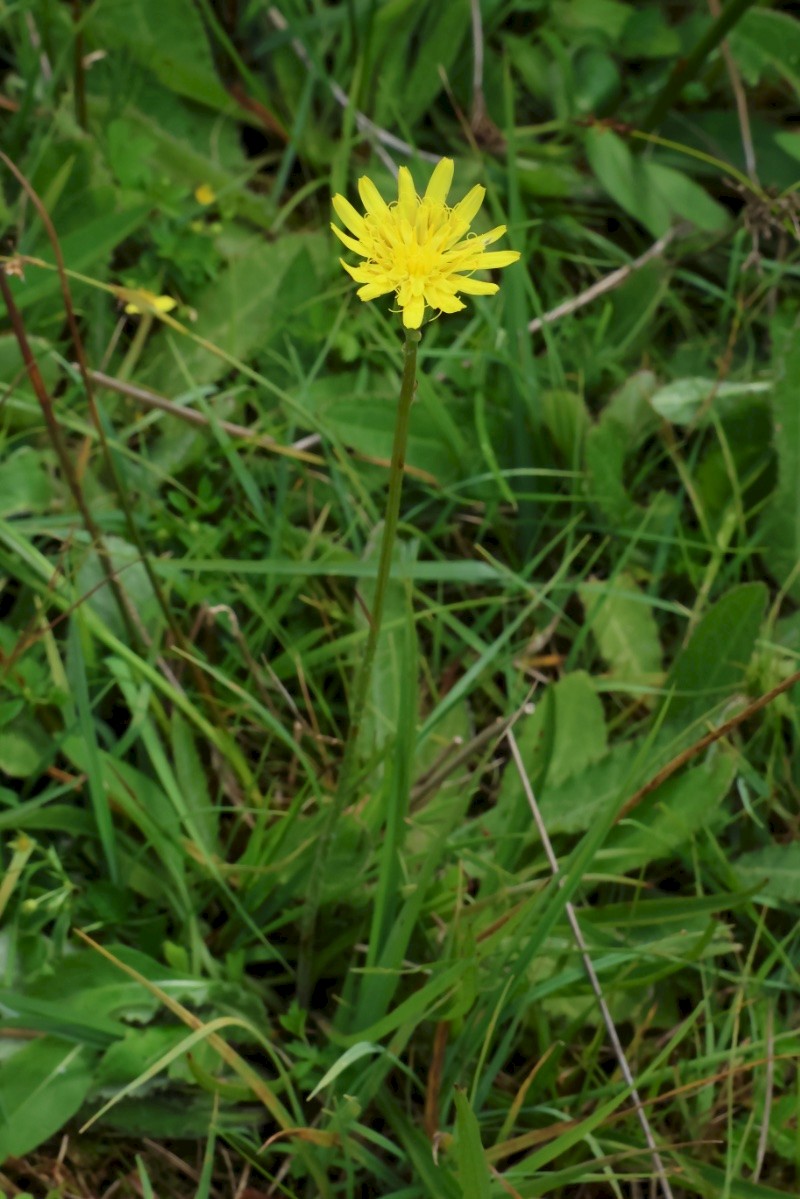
[(406, 201), (371, 291), (476, 287), (445, 301), (440, 180), (348, 215), (350, 242), (493, 235), (361, 273), (371, 198), (495, 259), (413, 313), (467, 210)]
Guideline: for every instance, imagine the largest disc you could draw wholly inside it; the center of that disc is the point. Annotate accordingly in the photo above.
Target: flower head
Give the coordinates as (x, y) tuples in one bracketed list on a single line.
[(141, 301), (417, 247), (205, 194)]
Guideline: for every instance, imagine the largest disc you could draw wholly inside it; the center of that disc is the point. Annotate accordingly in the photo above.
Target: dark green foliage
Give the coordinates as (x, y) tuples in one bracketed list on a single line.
[(599, 541)]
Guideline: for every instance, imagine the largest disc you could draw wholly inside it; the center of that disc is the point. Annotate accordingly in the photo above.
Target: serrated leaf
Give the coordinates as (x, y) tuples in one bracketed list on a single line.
[(775, 870), (580, 732), (668, 818), (625, 629), (605, 450)]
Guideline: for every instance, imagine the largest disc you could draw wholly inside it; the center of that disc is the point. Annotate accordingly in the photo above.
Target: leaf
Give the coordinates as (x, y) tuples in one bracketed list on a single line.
[(42, 1086), (14, 374), (382, 715), (780, 526), (625, 178), (167, 39), (608, 17), (716, 659), (769, 39), (682, 401), (685, 198), (669, 817), (649, 191), (192, 779), (575, 804), (580, 731), (26, 486), (605, 451), (351, 1055), (775, 870), (246, 306), (623, 624), (473, 1171), (23, 748)]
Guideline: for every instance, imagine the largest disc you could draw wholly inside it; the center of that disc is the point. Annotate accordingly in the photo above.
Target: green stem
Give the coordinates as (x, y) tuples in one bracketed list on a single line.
[(686, 69), (363, 676)]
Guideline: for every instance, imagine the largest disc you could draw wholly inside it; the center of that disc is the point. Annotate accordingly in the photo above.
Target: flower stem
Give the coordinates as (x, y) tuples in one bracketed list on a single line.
[(363, 675)]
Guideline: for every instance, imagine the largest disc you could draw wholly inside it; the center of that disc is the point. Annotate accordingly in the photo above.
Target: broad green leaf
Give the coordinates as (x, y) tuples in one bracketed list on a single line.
[(240, 312), (685, 401), (576, 803), (24, 747), (624, 628), (168, 39), (624, 176), (566, 418), (93, 586), (770, 38), (687, 199), (473, 1171), (42, 1086), (715, 661), (775, 870), (26, 484), (13, 372), (604, 16), (580, 732), (667, 819), (605, 452)]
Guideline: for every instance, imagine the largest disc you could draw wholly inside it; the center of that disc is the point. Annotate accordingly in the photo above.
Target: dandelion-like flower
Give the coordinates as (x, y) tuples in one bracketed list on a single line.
[(417, 247)]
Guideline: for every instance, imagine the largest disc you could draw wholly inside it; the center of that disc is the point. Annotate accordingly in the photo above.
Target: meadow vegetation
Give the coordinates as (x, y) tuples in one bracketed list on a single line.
[(588, 661)]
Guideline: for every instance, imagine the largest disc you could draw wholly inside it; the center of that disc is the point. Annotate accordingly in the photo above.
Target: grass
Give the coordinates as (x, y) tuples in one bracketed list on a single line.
[(596, 570)]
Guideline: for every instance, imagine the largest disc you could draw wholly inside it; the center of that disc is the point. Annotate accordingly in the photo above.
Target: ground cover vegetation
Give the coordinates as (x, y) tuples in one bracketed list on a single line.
[(589, 641)]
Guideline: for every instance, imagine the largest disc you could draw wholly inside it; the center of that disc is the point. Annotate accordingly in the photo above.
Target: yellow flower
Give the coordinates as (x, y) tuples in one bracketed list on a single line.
[(417, 248), (140, 301), (205, 194)]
